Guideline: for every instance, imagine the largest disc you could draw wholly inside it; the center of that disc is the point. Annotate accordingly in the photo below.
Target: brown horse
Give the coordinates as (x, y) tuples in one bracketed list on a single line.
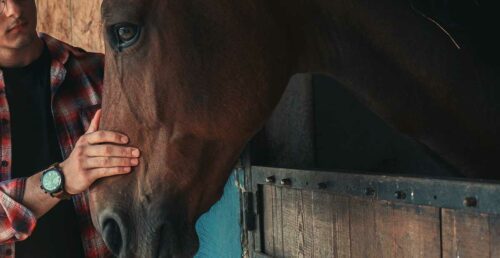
[(192, 81)]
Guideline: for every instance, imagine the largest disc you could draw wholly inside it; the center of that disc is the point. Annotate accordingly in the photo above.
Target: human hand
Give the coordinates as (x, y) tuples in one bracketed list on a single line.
[(97, 154)]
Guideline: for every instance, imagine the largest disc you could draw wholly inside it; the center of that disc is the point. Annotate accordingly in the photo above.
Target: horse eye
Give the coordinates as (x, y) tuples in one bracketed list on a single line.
[(126, 33), (123, 35)]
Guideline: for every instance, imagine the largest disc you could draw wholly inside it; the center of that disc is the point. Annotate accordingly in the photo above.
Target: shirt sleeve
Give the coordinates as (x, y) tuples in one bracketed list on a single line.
[(16, 221)]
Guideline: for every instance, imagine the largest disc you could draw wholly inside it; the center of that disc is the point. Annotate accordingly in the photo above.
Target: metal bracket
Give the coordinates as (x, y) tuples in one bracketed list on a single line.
[(249, 216), (475, 195)]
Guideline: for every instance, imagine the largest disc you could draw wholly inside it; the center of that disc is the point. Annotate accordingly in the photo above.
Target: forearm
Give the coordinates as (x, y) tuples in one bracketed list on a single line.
[(35, 199)]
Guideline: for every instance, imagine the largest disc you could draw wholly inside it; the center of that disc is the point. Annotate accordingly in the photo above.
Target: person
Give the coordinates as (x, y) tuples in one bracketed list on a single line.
[(49, 93)]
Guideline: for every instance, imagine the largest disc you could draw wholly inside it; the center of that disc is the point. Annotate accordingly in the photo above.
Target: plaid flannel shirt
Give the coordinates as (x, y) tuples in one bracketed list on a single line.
[(76, 86)]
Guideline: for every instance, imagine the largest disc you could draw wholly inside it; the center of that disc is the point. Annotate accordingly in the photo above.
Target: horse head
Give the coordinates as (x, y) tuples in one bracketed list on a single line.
[(191, 81), (187, 82)]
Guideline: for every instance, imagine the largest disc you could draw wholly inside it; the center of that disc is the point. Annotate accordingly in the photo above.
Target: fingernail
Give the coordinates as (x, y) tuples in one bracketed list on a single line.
[(136, 153), (124, 139), (128, 169), (134, 161)]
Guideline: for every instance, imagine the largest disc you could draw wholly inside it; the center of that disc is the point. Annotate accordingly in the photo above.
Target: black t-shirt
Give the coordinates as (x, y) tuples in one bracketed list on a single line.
[(34, 148)]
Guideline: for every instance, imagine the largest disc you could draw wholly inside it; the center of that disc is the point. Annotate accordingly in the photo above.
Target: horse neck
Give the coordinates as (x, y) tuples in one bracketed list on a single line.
[(373, 48)]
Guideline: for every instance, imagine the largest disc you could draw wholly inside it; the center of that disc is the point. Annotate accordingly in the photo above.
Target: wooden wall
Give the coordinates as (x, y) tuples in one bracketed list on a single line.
[(77, 22)]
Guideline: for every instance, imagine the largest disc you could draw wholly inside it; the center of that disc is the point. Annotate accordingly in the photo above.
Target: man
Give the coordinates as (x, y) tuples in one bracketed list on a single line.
[(48, 93)]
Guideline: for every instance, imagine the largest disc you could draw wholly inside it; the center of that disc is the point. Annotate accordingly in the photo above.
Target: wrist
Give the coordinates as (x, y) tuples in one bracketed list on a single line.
[(52, 182)]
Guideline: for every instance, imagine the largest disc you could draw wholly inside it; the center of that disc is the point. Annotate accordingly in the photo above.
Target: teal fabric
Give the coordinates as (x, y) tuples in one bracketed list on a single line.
[(219, 230)]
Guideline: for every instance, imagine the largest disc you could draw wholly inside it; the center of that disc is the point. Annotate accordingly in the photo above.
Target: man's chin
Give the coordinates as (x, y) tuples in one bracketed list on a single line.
[(19, 41)]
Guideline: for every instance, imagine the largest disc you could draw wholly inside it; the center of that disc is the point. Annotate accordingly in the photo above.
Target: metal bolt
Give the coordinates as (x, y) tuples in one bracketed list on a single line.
[(370, 191), (470, 201), (286, 181), (270, 180), (400, 195), (322, 185)]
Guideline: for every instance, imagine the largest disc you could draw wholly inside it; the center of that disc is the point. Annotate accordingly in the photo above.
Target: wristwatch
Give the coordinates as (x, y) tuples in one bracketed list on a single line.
[(52, 182)]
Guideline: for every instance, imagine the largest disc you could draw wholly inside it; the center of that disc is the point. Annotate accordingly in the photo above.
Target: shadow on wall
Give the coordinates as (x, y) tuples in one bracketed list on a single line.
[(330, 129)]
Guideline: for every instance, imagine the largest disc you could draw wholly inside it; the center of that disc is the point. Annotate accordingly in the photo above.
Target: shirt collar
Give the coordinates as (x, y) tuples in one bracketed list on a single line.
[(58, 50)]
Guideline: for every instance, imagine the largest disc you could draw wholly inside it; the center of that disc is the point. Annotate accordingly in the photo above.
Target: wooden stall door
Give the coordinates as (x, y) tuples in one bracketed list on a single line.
[(300, 223), (336, 214)]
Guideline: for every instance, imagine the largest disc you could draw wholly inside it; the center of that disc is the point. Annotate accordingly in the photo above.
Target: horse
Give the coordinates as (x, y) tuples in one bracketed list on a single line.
[(192, 81)]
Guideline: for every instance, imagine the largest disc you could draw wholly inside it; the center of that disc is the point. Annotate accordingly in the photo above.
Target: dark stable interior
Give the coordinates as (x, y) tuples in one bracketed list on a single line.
[(346, 135)]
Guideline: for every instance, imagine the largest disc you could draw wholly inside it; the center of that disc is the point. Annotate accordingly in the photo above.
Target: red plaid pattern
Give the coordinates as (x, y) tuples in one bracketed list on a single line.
[(76, 87)]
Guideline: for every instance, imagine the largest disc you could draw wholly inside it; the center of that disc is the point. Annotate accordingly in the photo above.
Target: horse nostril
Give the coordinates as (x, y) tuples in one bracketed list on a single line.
[(112, 236)]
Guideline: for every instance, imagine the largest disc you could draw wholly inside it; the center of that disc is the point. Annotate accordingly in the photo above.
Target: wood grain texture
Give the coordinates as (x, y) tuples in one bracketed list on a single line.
[(87, 27), (54, 18), (76, 22), (277, 222), (291, 230), (407, 230), (268, 226), (320, 224), (342, 230), (307, 213), (363, 229), (467, 234)]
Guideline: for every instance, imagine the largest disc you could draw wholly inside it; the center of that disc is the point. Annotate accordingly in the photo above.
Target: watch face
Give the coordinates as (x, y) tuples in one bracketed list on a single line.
[(51, 180)]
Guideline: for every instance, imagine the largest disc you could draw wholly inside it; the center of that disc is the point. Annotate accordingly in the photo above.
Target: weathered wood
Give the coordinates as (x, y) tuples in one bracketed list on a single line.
[(77, 22), (322, 225), (277, 223), (407, 230), (86, 25), (363, 229), (268, 226), (307, 238), (341, 229), (382, 229), (290, 197), (328, 224), (54, 18), (467, 234), (494, 230)]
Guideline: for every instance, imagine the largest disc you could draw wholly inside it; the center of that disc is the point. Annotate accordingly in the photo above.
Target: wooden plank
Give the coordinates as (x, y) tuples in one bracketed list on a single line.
[(363, 229), (54, 18), (307, 239), (494, 230), (277, 223), (466, 234), (86, 21), (407, 230), (322, 225), (342, 233), (383, 229), (289, 200), (268, 226)]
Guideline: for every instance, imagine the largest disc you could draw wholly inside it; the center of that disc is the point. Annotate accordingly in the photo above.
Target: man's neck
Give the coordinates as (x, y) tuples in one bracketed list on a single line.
[(20, 57)]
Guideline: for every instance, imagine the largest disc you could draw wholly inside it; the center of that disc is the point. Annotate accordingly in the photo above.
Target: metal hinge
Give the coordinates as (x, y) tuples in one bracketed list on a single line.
[(249, 217)]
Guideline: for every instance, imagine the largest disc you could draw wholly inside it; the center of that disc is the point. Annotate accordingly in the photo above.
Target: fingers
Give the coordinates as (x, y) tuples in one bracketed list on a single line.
[(109, 162), (105, 137), (107, 172), (108, 150), (94, 124)]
